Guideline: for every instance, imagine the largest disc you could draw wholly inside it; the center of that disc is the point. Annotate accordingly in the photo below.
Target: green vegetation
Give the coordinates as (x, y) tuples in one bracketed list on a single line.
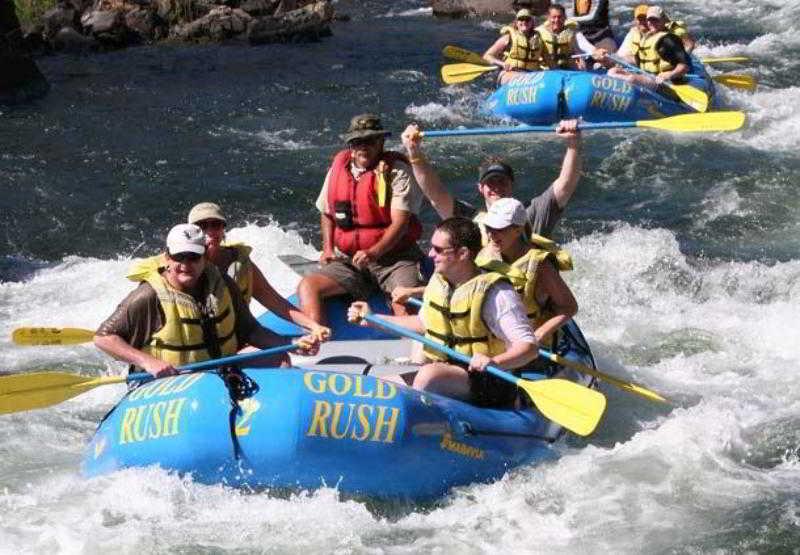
[(29, 11)]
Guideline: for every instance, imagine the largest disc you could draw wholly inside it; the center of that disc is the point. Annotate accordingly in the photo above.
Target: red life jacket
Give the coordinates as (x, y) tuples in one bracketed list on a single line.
[(359, 220)]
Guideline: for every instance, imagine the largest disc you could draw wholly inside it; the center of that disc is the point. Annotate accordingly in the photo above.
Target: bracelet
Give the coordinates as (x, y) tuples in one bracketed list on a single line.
[(417, 159)]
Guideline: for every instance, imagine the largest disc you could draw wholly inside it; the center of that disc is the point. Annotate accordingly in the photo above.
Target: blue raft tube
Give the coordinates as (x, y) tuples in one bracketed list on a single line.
[(305, 428), (545, 97)]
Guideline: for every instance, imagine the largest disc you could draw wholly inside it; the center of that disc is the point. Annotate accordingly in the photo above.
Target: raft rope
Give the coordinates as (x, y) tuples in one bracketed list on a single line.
[(240, 386)]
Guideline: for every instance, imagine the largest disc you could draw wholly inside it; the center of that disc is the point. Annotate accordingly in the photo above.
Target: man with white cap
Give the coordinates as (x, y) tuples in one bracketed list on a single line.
[(531, 264), (183, 313), (476, 313), (661, 54)]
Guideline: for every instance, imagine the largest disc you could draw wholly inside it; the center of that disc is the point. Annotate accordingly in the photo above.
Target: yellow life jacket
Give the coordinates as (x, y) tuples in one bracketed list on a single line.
[(524, 52), (183, 339), (636, 41), (453, 316), (581, 7), (648, 57), (558, 46), (523, 272), (678, 28), (241, 269)]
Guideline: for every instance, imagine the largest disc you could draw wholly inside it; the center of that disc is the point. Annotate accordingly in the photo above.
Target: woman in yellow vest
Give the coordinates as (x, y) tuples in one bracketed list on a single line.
[(234, 260), (532, 267), (476, 313), (660, 54), (518, 50)]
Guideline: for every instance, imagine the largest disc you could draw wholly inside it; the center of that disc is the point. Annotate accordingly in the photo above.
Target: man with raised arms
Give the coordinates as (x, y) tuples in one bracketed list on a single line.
[(477, 313), (496, 181), (185, 312)]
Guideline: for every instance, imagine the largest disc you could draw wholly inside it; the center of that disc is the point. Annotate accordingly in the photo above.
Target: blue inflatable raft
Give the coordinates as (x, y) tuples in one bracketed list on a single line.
[(546, 97), (304, 428)]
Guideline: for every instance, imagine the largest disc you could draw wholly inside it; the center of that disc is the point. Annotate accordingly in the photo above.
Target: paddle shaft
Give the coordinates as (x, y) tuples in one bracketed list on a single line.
[(526, 129), (216, 363), (399, 330), (558, 359)]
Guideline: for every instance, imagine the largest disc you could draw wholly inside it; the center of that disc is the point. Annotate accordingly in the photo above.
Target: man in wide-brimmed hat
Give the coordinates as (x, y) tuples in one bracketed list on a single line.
[(369, 205)]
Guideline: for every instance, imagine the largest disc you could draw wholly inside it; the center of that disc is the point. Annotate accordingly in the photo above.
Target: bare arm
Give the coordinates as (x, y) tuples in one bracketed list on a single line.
[(392, 235), (567, 181), (676, 73), (517, 354), (264, 293), (326, 229), (359, 309), (551, 289), (495, 52), (120, 349), (427, 178)]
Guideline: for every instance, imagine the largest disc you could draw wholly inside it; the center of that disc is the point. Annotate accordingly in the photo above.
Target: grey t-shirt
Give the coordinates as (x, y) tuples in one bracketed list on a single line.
[(543, 212)]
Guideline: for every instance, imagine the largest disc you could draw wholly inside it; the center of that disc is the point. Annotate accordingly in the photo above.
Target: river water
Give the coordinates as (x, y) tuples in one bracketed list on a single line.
[(687, 275)]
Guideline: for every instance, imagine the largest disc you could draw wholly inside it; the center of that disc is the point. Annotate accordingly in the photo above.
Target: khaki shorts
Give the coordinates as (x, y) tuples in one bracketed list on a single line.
[(399, 269)]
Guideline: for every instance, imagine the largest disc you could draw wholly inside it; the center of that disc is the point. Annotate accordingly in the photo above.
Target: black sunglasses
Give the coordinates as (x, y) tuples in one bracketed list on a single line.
[(210, 224), (441, 250), (355, 143), (186, 257), (653, 19)]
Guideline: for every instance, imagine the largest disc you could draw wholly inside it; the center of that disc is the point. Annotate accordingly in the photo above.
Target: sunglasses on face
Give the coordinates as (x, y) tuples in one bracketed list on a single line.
[(523, 19), (210, 224), (357, 143), (183, 257), (653, 19), (441, 250)]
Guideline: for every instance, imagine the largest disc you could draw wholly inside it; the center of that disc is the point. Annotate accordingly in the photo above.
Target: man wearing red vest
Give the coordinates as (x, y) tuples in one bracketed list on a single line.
[(369, 204)]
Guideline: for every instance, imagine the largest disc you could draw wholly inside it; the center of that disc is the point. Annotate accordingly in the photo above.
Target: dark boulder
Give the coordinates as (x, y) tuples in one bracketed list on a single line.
[(20, 79)]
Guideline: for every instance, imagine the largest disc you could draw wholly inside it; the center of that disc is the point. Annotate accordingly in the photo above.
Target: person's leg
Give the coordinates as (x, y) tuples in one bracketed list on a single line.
[(445, 379), (335, 278), (403, 272)]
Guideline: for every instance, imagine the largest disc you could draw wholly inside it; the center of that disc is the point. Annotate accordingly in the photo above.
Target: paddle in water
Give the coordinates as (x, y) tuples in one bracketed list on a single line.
[(21, 392)]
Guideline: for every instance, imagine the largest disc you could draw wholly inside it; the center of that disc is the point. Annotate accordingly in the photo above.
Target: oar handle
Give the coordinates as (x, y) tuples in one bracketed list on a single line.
[(399, 330), (139, 377)]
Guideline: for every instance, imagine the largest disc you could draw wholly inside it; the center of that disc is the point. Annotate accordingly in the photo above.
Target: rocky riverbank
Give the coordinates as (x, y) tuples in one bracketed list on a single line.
[(86, 25), (462, 8)]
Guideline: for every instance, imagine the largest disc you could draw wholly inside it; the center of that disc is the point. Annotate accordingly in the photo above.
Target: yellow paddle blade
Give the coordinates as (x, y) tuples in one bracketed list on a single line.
[(21, 392), (697, 123), (571, 405), (51, 336), (745, 82), (461, 73), (630, 387), (463, 55), (737, 59), (692, 96)]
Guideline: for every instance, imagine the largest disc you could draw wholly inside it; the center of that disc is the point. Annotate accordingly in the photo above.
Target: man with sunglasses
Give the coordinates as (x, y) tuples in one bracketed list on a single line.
[(369, 204), (186, 312), (476, 313)]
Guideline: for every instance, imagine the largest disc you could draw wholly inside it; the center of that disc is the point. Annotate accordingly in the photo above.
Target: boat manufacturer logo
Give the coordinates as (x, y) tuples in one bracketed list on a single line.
[(449, 444)]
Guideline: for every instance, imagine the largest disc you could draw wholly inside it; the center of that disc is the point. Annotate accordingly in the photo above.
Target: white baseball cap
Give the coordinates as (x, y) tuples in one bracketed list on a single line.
[(186, 238), (505, 212), (655, 11)]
